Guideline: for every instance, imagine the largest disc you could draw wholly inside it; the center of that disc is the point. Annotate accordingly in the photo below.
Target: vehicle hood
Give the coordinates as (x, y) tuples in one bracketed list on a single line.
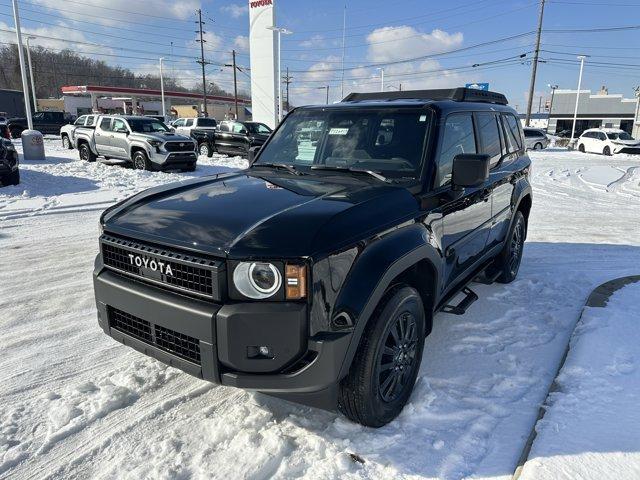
[(164, 137), (248, 214)]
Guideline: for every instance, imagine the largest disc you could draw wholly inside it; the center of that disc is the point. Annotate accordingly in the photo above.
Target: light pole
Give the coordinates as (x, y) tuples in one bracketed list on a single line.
[(25, 87), (636, 117), (33, 83), (381, 78), (326, 87), (164, 109), (553, 93), (280, 31), (575, 113)]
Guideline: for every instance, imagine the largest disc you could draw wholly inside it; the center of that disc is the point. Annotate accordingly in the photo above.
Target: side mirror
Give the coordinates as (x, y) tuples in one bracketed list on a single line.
[(253, 153), (470, 170)]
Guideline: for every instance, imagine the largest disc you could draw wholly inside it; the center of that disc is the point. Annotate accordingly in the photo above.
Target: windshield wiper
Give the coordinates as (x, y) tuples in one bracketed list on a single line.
[(376, 175), (284, 166)]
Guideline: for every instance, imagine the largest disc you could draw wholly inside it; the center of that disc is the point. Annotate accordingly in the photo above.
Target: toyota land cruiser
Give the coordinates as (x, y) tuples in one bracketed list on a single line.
[(314, 275)]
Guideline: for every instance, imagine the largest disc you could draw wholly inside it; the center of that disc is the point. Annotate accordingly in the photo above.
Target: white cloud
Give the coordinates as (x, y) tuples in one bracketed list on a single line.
[(121, 9), (236, 11), (315, 41), (241, 43), (396, 43)]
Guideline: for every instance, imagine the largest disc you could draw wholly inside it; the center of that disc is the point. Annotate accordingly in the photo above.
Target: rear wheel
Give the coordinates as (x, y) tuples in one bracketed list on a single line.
[(141, 161), (537, 146), (581, 148), (85, 153), (386, 364), (606, 151), (205, 149), (508, 262), (66, 143)]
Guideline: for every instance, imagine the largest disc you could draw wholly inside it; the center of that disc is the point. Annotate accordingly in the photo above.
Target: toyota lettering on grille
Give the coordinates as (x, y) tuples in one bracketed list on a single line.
[(151, 264)]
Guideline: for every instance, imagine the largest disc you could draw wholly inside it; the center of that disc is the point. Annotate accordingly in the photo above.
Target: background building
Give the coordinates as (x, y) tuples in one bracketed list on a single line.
[(599, 110), (12, 103)]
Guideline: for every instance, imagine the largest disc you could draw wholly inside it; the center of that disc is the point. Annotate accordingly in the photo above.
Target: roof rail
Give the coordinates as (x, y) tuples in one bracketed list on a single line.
[(456, 94)]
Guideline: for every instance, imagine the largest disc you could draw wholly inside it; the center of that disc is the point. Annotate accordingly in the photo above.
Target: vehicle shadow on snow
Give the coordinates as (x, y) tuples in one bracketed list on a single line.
[(48, 185), (484, 374)]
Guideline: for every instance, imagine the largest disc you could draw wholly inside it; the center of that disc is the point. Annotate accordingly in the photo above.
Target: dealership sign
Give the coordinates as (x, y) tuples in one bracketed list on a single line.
[(263, 55)]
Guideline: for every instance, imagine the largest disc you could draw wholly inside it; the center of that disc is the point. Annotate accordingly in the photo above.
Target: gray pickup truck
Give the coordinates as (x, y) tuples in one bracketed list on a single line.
[(145, 142)]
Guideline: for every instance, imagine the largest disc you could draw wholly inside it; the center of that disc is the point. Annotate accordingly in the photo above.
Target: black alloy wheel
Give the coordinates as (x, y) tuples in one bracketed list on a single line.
[(507, 264)]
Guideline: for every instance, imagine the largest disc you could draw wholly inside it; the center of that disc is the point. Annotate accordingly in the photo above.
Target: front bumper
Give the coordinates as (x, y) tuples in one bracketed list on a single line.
[(626, 150), (301, 369), (168, 160)]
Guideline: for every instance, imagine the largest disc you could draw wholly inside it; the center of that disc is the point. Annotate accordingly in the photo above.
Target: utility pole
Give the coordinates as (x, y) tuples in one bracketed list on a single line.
[(235, 83), (344, 35), (202, 61), (23, 70), (287, 81), (164, 109), (534, 66), (636, 117), (33, 82), (575, 113), (553, 94)]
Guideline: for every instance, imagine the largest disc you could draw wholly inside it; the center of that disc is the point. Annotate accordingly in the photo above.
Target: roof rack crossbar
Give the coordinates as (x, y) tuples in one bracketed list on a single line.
[(456, 94)]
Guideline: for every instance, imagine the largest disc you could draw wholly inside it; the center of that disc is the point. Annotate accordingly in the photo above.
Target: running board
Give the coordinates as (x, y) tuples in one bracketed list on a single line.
[(461, 308), (485, 278)]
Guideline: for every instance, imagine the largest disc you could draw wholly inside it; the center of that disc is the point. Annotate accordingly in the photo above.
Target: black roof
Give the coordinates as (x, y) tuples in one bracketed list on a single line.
[(451, 94)]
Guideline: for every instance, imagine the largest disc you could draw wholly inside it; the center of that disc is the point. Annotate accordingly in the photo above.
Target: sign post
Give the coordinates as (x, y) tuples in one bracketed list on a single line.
[(263, 57)]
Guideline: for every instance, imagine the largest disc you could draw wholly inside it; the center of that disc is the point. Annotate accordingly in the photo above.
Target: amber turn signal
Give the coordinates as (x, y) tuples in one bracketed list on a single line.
[(295, 281)]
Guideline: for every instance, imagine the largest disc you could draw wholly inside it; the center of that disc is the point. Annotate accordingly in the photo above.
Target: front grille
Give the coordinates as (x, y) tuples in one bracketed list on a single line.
[(176, 343), (179, 147), (195, 276), (134, 326)]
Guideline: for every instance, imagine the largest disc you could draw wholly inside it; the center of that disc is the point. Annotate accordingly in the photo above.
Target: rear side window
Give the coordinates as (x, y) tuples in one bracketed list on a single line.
[(490, 136), (80, 120), (188, 122), (458, 138), (512, 132), (105, 124), (224, 127)]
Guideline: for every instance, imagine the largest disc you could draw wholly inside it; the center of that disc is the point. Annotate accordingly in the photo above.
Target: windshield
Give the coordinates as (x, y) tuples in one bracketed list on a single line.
[(140, 125), (207, 122), (257, 128), (619, 136), (387, 140)]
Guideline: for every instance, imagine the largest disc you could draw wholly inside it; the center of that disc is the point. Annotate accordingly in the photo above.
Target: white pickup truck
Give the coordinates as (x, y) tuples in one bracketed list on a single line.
[(184, 126), (67, 133), (145, 142)]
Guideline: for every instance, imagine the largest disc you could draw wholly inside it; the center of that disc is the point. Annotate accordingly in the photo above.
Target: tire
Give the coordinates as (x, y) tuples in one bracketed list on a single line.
[(12, 178), (581, 148), (537, 146), (392, 342), (205, 149), (66, 143), (141, 161), (85, 153), (606, 151), (508, 261)]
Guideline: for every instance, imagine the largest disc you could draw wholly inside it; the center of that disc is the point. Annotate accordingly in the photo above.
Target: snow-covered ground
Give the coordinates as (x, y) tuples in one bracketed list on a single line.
[(591, 427), (76, 404)]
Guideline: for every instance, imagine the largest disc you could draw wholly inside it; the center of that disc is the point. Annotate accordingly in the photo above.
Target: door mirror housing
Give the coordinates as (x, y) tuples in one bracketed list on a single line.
[(470, 170), (253, 154)]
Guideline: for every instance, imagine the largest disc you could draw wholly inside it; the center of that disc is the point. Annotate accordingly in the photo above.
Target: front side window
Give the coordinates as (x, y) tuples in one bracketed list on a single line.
[(347, 138), (458, 138), (207, 122), (119, 125), (238, 128), (490, 136), (179, 123), (601, 136), (258, 128)]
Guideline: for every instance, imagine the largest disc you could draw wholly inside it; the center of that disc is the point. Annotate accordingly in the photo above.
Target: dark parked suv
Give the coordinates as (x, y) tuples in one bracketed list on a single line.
[(9, 164), (315, 274)]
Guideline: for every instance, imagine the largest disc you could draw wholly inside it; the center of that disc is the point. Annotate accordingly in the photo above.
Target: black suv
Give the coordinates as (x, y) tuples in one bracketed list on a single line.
[(315, 274), (9, 163)]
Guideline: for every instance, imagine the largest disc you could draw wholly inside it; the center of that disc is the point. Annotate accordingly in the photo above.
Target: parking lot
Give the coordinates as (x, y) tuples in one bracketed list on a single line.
[(76, 404)]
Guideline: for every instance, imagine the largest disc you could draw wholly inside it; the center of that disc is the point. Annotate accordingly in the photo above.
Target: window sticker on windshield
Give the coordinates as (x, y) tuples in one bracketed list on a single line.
[(338, 131), (423, 118)]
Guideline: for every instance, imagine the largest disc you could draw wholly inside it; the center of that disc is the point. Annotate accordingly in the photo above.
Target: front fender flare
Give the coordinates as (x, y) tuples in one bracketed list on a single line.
[(374, 271)]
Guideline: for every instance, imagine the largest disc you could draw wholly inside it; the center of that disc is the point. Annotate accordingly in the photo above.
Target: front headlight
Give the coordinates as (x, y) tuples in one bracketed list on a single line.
[(257, 280), (154, 143)]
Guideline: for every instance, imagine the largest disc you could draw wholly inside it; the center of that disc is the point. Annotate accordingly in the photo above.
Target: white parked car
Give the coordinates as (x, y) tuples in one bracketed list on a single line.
[(68, 132), (183, 126), (535, 139), (607, 141)]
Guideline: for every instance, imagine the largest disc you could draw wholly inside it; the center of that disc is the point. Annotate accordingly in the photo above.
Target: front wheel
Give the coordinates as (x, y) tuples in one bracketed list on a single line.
[(205, 149), (606, 151), (66, 143), (537, 146), (141, 161), (386, 365)]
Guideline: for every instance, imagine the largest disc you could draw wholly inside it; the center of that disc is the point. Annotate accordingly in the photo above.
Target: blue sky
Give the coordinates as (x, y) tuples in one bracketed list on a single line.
[(133, 33)]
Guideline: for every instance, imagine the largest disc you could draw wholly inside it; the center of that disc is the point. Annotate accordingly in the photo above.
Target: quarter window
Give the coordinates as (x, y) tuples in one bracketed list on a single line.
[(490, 136), (458, 138), (514, 138)]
